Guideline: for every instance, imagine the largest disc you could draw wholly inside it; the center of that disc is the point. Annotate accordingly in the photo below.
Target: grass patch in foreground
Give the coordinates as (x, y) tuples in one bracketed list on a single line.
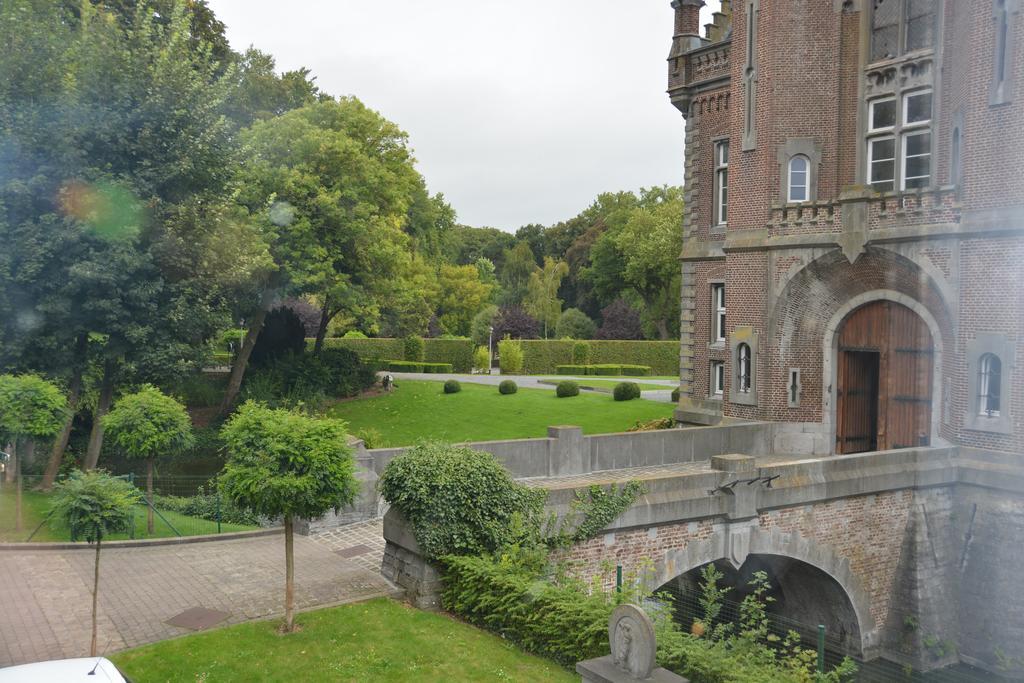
[(418, 410), (35, 505), (379, 640)]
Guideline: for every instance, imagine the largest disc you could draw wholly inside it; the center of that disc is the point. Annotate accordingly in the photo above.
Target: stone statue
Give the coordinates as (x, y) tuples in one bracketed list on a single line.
[(631, 638)]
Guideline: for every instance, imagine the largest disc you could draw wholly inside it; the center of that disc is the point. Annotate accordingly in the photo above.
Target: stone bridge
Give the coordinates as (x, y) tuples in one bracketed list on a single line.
[(911, 554)]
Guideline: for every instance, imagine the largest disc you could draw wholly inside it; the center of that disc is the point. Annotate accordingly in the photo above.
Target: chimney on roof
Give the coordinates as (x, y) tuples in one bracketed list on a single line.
[(687, 16)]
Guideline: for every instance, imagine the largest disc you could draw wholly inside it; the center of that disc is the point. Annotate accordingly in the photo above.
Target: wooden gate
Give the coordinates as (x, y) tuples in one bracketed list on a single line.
[(884, 381)]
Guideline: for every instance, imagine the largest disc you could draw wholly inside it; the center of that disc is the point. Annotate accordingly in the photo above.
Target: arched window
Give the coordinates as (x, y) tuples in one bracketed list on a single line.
[(743, 364), (990, 376), (799, 179)]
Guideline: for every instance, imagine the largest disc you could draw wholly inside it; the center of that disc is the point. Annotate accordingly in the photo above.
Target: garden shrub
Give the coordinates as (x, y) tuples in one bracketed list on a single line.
[(302, 378), (542, 356), (410, 366), (508, 387), (675, 395), (581, 353), (205, 505), (459, 501), (567, 389), (452, 386), (575, 324), (372, 438), (354, 334), (458, 352), (283, 334), (413, 349), (605, 370), (653, 425), (510, 356), (626, 391), (571, 369), (482, 359)]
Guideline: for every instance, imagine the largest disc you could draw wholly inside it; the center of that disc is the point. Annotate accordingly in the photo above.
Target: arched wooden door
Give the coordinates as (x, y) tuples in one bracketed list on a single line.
[(884, 383)]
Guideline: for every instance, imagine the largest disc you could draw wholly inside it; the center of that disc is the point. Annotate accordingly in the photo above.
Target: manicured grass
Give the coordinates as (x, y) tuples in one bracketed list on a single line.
[(36, 505), (379, 640), (610, 384), (419, 410)]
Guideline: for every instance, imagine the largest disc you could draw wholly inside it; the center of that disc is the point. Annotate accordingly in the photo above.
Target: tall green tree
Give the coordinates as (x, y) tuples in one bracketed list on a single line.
[(518, 265), (542, 300), (284, 464), (146, 425), (93, 505), (462, 295)]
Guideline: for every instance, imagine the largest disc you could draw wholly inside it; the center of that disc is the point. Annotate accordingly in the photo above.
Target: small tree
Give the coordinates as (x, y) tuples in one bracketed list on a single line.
[(31, 408), (575, 324), (285, 464), (510, 356), (620, 321), (93, 505), (148, 424), (516, 323)]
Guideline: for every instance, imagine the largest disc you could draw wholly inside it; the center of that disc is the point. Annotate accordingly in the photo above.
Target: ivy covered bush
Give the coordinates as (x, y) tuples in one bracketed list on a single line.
[(626, 391), (508, 387), (567, 389), (452, 386), (459, 501)]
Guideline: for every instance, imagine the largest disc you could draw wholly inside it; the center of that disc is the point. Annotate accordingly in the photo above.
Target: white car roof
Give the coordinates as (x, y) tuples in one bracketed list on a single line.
[(59, 670)]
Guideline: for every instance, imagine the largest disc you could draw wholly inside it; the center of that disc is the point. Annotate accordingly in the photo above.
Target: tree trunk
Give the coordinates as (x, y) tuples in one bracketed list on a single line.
[(95, 595), (662, 329), (149, 496), (321, 330), (289, 574), (16, 469), (242, 359), (74, 396), (9, 470), (92, 453)]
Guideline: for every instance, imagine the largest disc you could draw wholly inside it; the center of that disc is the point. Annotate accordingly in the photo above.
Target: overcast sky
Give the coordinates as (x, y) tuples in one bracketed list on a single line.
[(519, 112)]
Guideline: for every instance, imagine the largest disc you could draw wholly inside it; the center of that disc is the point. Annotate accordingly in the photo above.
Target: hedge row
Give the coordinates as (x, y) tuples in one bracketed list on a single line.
[(411, 366), (605, 370), (456, 352), (542, 357)]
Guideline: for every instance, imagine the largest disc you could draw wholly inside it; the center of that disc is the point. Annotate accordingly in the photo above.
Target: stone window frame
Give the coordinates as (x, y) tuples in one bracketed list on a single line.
[(999, 346), (794, 147), (1001, 89), (794, 388), (740, 336), (717, 222), (718, 336)]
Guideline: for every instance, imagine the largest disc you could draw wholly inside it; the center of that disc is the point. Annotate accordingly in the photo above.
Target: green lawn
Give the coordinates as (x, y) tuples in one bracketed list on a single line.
[(610, 384), (420, 410), (379, 640), (36, 505)]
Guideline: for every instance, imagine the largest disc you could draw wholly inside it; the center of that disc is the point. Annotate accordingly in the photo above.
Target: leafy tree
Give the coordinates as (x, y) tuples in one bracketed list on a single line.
[(286, 464), (462, 295), (542, 300), (464, 245), (619, 321), (510, 355), (575, 324), (94, 505), (480, 327), (519, 264), (409, 306), (260, 93), (308, 314), (31, 408), (146, 425), (516, 323), (534, 235)]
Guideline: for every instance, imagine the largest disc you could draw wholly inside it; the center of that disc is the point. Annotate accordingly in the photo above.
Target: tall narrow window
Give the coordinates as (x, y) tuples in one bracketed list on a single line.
[(799, 179), (917, 140), (954, 157), (990, 376), (721, 182), (743, 368), (901, 26), (1002, 34), (718, 306), (717, 378), (1001, 88)]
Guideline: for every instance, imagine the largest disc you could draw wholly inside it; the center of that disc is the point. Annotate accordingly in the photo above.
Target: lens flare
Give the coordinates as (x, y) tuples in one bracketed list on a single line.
[(111, 212), (282, 214)]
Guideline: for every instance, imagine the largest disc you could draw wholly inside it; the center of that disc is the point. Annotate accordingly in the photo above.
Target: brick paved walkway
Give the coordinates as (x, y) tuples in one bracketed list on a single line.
[(45, 594)]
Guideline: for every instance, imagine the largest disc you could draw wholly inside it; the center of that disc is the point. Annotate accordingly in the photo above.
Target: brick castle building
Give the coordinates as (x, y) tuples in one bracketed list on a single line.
[(853, 260)]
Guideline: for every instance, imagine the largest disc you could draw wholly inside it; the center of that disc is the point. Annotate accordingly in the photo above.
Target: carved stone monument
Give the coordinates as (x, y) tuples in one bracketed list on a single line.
[(631, 638)]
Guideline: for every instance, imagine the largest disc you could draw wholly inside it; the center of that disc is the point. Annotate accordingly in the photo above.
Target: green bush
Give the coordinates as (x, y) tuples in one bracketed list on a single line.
[(575, 324), (482, 359), (410, 366), (302, 378), (207, 504), (626, 391), (606, 370), (413, 349), (354, 334), (457, 352), (459, 501), (508, 387), (675, 395), (510, 356), (372, 438), (581, 353), (567, 389), (571, 369), (452, 386)]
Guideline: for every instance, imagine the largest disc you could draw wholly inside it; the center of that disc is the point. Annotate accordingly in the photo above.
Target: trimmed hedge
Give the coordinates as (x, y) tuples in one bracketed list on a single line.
[(543, 356), (606, 370), (410, 366), (508, 387), (626, 391), (567, 389), (452, 386), (457, 352)]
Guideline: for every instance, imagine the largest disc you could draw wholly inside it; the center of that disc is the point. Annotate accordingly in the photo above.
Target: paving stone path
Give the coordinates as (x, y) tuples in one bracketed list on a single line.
[(45, 595)]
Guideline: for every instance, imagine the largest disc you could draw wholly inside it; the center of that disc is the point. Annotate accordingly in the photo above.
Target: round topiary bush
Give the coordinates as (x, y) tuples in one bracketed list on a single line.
[(626, 391), (567, 389), (508, 387), (675, 395), (452, 386)]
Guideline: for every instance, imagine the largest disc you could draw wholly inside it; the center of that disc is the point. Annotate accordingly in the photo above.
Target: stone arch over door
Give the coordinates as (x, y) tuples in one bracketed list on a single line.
[(775, 544)]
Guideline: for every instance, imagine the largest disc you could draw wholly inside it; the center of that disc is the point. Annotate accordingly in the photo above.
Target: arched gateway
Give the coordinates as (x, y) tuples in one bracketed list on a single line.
[(884, 371)]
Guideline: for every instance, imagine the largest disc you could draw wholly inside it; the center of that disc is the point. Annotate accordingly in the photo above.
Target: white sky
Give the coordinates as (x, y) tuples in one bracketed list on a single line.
[(519, 112)]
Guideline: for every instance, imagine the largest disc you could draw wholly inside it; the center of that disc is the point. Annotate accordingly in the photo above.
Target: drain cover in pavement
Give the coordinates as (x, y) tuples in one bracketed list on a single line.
[(198, 618), (354, 551)]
